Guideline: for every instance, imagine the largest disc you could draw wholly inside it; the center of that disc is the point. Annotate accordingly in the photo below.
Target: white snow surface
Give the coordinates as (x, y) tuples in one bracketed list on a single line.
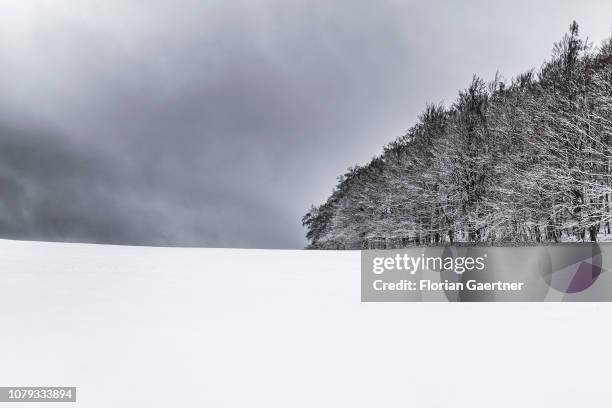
[(175, 327)]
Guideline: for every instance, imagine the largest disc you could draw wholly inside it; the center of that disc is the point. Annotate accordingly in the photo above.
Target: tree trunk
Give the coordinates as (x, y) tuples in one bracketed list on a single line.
[(593, 233)]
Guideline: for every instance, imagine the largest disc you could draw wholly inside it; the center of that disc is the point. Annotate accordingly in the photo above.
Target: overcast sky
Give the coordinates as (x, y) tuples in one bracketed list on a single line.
[(218, 123)]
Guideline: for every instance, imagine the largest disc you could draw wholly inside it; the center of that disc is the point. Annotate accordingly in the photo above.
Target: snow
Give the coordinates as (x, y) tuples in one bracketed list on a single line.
[(174, 327)]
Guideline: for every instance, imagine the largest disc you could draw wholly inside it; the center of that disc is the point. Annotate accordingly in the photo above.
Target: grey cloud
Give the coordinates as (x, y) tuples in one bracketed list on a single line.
[(219, 123)]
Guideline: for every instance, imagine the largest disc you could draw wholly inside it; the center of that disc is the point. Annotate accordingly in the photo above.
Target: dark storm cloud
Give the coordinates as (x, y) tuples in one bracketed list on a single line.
[(54, 190), (219, 123)]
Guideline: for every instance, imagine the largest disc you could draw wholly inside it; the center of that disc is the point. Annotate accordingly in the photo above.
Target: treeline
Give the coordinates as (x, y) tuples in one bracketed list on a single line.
[(524, 162)]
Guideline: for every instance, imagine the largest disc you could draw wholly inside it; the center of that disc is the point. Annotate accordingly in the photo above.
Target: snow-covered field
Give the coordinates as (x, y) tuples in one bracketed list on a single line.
[(170, 327)]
